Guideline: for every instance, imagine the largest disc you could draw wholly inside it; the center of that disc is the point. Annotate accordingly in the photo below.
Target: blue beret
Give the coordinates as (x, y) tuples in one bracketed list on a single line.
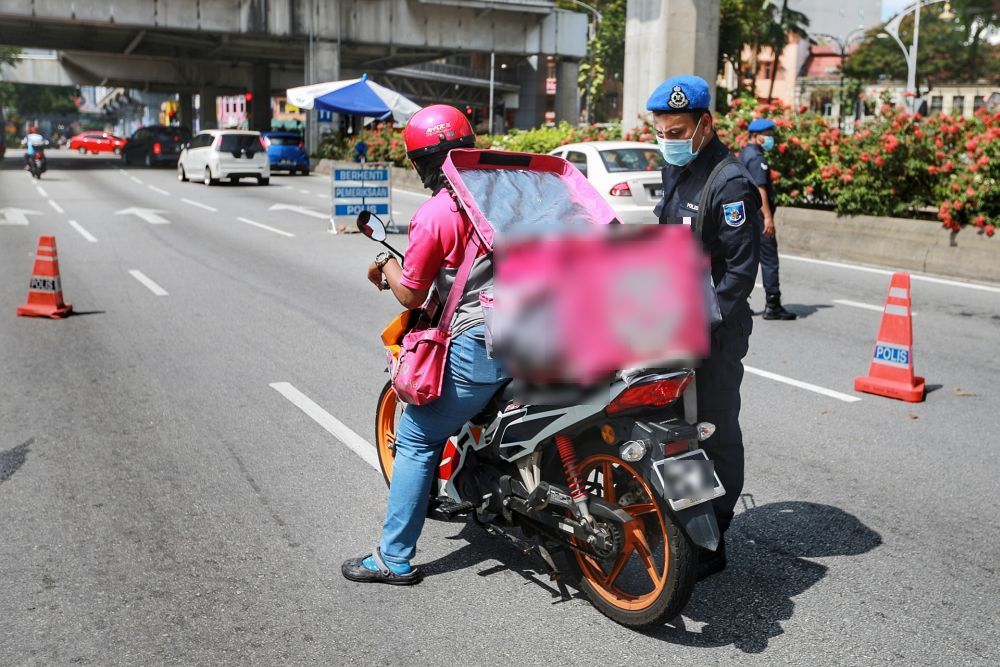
[(761, 125), (680, 93)]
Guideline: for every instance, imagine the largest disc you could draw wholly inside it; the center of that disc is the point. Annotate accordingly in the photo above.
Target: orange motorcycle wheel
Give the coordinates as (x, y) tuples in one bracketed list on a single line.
[(649, 579), (387, 415)]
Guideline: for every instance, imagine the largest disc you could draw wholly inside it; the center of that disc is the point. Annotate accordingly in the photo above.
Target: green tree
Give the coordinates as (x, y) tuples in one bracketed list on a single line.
[(8, 54), (784, 23), (948, 50), (605, 53)]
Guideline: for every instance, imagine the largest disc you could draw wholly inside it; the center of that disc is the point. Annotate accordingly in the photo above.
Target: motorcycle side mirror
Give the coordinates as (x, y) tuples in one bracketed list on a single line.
[(371, 226)]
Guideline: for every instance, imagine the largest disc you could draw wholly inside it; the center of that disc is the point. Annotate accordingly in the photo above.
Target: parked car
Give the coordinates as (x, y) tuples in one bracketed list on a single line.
[(626, 173), (155, 144), (96, 142), (214, 155), (287, 150)]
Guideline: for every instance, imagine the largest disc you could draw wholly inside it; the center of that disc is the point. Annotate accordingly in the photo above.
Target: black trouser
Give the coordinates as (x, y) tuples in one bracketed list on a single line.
[(769, 261), (719, 379)]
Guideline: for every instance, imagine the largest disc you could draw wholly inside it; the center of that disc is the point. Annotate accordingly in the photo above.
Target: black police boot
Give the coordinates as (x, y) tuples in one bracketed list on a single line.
[(712, 562), (773, 310)]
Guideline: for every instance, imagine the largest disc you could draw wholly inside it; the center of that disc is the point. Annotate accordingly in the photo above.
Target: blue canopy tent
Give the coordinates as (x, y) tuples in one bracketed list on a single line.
[(354, 97)]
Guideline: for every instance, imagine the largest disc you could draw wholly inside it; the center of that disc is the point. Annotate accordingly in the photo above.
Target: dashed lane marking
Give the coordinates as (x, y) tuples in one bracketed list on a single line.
[(83, 232), (885, 272), (136, 180), (863, 306), (57, 207), (158, 190), (331, 424), (263, 226), (846, 398), (145, 280), (41, 191), (199, 205)]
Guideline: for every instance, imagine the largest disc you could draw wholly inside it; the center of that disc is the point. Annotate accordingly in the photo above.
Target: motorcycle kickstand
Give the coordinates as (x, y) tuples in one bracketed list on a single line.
[(528, 549)]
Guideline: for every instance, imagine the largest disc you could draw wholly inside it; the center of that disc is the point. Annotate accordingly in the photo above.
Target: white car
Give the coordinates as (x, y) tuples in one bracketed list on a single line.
[(626, 173), (214, 155)]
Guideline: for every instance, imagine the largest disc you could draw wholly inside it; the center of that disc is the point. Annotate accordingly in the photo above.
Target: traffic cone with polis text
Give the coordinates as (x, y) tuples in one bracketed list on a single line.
[(891, 372), (45, 297)]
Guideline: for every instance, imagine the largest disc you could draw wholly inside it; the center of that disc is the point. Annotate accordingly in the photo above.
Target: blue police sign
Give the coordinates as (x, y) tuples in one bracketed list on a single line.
[(890, 354), (360, 187)]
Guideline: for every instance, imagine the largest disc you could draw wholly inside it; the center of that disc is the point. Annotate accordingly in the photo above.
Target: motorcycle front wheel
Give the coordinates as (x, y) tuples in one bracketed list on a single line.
[(650, 578)]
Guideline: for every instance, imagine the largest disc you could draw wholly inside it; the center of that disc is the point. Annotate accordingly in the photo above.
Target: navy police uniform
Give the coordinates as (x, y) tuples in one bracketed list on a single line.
[(752, 157), (731, 238)]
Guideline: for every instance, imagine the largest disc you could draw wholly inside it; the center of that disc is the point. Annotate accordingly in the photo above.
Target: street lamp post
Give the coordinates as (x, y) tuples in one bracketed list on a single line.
[(592, 30), (910, 54)]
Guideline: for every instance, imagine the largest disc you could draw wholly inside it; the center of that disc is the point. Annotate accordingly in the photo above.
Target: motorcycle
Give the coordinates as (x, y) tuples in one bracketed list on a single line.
[(619, 485), (37, 163)]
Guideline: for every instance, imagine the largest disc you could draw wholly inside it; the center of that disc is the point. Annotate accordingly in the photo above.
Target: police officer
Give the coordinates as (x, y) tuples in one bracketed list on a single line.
[(762, 140), (730, 218)]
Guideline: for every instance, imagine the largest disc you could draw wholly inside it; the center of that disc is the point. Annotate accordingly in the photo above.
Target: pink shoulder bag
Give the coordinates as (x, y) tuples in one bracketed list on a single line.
[(418, 373)]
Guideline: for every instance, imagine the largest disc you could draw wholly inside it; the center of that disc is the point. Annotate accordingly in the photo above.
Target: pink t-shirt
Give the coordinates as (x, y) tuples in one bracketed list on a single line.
[(438, 237)]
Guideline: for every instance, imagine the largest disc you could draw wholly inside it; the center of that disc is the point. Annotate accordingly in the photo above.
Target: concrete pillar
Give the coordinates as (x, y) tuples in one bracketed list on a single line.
[(664, 38), (531, 98), (568, 91), (260, 105), (321, 67), (185, 110), (208, 118)]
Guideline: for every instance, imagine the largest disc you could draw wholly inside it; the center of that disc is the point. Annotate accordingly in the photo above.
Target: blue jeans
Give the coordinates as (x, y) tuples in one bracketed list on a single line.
[(471, 379)]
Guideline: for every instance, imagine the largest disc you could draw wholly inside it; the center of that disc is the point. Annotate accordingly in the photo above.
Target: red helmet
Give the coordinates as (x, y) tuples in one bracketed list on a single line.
[(436, 128)]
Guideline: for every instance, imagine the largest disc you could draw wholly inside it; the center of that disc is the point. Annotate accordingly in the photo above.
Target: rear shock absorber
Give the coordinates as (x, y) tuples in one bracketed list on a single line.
[(567, 455)]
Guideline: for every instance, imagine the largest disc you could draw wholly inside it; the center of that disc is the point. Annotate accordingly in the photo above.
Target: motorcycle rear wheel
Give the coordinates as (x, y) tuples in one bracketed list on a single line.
[(651, 579), (387, 415)]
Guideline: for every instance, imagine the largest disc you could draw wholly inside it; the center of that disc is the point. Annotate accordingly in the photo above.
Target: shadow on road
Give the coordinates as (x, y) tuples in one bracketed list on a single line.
[(767, 547), (12, 459)]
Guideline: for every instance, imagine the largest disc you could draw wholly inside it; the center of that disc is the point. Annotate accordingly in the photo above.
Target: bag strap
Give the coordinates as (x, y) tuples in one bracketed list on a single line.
[(699, 221), (461, 278)]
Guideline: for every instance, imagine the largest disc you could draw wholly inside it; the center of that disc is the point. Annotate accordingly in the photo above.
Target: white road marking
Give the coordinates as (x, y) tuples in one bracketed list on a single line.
[(150, 215), (135, 180), (270, 229), (885, 272), (158, 190), (858, 304), (16, 216), (846, 398), (304, 210), (333, 426), (83, 232), (305, 192), (395, 212), (123, 172), (41, 191), (288, 187), (199, 205), (57, 207), (145, 280), (321, 196)]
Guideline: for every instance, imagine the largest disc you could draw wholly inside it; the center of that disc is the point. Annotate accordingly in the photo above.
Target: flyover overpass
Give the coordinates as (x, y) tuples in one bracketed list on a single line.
[(211, 47)]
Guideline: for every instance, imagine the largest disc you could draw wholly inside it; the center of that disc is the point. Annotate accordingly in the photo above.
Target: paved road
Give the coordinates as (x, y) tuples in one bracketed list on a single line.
[(162, 503)]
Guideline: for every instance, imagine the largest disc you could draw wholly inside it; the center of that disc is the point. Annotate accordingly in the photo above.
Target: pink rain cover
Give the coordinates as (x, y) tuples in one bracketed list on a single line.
[(577, 307), (513, 194)]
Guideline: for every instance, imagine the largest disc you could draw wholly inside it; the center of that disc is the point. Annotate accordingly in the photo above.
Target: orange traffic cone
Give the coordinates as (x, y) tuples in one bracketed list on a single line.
[(45, 298), (891, 371)]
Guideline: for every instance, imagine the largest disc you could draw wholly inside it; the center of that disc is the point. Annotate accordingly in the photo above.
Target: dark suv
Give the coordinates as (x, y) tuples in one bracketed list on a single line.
[(155, 144)]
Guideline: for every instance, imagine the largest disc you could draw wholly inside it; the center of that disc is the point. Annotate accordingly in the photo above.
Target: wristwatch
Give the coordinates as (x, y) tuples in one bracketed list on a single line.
[(381, 259)]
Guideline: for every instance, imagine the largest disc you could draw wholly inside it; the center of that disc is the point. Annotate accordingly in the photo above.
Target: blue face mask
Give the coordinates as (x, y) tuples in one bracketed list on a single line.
[(679, 152), (768, 143)]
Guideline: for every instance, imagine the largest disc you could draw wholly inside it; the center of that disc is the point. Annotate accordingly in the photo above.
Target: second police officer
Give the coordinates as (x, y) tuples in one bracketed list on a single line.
[(762, 140), (729, 202)]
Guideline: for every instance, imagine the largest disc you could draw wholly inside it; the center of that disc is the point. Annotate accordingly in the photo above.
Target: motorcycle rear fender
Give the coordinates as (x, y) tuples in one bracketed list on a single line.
[(699, 523)]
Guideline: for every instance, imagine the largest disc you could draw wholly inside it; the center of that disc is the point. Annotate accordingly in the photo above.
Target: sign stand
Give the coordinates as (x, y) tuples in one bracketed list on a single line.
[(360, 187)]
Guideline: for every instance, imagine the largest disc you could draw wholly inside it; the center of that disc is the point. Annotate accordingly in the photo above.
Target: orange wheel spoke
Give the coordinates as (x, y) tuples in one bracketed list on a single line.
[(646, 555), (640, 509), (609, 483), (619, 565)]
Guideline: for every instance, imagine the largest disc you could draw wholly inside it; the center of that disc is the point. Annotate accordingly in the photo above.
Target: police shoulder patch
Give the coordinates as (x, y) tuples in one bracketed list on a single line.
[(734, 213)]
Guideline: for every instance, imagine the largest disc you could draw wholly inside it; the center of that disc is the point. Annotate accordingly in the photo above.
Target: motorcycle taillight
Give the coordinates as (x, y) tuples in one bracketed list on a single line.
[(657, 394), (38, 155)]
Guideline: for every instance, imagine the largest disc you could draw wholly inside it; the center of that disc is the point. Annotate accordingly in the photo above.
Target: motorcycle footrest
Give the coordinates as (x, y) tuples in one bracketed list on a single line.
[(451, 510)]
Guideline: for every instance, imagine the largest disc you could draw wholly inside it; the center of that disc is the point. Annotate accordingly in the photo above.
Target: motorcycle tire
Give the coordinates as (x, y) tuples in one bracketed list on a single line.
[(387, 414), (651, 579)]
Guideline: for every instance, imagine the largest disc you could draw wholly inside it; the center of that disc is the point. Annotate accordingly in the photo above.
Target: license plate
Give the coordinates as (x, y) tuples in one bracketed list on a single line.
[(656, 192), (688, 479)]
